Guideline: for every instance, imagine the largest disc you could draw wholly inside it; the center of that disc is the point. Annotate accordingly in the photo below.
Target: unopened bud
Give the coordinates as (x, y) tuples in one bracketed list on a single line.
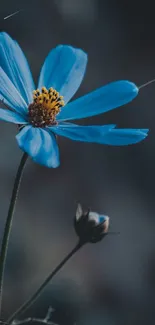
[(90, 226)]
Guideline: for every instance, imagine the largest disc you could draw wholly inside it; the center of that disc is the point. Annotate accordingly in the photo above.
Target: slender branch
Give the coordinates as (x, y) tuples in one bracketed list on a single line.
[(8, 225), (33, 319), (29, 320), (45, 320), (49, 313), (147, 83), (37, 294)]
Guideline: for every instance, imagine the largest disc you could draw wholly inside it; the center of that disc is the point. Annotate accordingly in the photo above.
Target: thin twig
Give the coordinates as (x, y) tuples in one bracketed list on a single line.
[(147, 83), (13, 14), (45, 321), (49, 313), (33, 319)]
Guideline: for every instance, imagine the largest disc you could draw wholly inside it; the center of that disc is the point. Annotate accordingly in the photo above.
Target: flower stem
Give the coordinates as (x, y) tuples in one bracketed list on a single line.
[(7, 229), (37, 294)]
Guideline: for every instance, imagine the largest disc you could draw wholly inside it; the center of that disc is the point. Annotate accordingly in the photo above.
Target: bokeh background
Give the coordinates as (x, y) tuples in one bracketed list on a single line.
[(112, 282)]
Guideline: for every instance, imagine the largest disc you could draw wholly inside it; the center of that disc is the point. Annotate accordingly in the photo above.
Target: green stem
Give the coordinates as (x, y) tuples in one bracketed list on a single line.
[(7, 229), (37, 294)]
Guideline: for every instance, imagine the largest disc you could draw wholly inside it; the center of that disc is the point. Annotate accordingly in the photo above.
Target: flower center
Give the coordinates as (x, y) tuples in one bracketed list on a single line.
[(45, 107)]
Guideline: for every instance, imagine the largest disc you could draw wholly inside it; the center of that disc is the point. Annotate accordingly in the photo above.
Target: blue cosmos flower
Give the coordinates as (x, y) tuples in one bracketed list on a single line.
[(43, 113)]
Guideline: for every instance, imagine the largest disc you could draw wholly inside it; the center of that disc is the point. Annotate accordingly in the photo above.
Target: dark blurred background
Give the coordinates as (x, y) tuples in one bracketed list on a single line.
[(112, 282)]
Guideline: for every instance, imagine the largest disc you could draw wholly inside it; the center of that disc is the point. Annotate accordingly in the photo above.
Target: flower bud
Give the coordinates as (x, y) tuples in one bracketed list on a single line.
[(90, 226)]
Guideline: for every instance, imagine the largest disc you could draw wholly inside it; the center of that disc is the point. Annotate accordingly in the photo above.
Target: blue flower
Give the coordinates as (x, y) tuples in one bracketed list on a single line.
[(43, 113)]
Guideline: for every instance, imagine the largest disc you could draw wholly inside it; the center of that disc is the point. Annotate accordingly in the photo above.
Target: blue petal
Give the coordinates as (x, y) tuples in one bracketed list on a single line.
[(9, 116), (15, 65), (10, 94), (82, 133), (40, 145), (100, 101), (29, 140), (105, 134), (63, 70), (102, 218), (49, 153), (122, 137)]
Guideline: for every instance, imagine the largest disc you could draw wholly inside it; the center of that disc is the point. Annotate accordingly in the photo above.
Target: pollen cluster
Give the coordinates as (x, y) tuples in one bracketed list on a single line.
[(46, 105)]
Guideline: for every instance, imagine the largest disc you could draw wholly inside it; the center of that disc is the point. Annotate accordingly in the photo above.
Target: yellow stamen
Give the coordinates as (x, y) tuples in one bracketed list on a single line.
[(47, 104)]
